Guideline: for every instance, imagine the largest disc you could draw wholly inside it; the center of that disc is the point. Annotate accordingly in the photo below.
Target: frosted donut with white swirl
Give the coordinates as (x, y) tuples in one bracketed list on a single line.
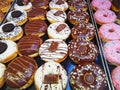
[(53, 50), (50, 76), (56, 16)]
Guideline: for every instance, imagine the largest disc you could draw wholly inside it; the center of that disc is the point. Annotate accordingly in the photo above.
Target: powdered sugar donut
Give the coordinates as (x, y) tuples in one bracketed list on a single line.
[(101, 4), (50, 76), (112, 52), (104, 16), (109, 32), (115, 74)]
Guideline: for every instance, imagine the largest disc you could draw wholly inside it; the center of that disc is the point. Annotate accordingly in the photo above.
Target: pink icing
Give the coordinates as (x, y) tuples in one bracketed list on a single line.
[(110, 31), (105, 16), (112, 51), (101, 4), (116, 77)]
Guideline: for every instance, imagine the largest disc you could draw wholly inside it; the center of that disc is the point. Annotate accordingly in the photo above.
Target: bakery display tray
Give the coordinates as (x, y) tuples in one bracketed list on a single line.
[(68, 64)]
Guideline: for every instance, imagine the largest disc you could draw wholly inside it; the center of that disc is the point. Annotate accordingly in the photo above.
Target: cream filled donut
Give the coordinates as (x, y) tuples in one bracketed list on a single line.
[(10, 31), (58, 5), (8, 50), (50, 76), (53, 50), (58, 30), (2, 72), (56, 16), (17, 16)]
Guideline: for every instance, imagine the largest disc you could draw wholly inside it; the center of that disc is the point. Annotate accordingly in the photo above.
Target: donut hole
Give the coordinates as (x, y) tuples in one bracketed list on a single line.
[(105, 15), (89, 78), (118, 51), (111, 30)]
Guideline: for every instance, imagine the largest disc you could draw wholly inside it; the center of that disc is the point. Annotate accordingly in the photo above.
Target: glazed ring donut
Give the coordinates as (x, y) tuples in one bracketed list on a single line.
[(104, 16), (8, 50), (53, 50), (50, 76), (2, 72), (82, 50), (10, 31), (101, 4), (17, 16), (88, 76), (112, 51), (110, 31)]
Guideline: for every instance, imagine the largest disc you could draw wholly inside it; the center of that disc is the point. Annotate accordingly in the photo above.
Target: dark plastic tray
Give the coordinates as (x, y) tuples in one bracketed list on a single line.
[(68, 64)]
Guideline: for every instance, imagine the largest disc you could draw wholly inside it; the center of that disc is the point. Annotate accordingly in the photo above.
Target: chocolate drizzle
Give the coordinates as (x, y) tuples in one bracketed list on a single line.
[(3, 47), (60, 27), (53, 46), (16, 14), (58, 13), (8, 27)]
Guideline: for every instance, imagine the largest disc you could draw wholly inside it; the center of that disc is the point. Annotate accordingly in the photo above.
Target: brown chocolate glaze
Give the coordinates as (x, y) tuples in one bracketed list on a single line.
[(59, 2), (22, 2), (116, 3), (88, 76), (35, 27), (19, 71), (29, 45), (58, 13), (60, 27), (53, 47), (16, 14), (82, 51), (8, 27), (3, 47)]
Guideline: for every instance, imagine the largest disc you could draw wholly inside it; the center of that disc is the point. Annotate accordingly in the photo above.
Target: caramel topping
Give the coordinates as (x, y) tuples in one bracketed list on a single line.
[(59, 2), (8, 27), (16, 14), (88, 78), (51, 79), (3, 47), (60, 27), (53, 46), (58, 13)]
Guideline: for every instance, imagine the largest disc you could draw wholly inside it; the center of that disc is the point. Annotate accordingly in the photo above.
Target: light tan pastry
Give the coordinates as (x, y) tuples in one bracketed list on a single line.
[(1, 15), (4, 5)]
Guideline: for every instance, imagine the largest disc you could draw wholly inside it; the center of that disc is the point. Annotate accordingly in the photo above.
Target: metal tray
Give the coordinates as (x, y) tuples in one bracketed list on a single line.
[(68, 64)]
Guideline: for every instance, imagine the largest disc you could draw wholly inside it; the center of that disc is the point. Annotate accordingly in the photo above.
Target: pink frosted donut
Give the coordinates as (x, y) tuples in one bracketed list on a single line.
[(112, 52), (110, 31), (116, 77), (104, 16), (101, 4)]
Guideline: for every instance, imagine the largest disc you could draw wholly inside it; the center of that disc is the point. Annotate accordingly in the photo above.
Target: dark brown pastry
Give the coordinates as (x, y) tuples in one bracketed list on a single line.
[(116, 5), (82, 51), (88, 76), (36, 27), (29, 45), (20, 72)]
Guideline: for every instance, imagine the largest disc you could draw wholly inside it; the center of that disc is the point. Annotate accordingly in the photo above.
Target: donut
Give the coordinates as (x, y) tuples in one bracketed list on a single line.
[(25, 5), (115, 75), (115, 5), (1, 16), (20, 72), (29, 46), (77, 4), (118, 18), (17, 16), (104, 16), (56, 16), (82, 51), (36, 27), (2, 72), (110, 31), (112, 52), (83, 30), (88, 76), (101, 4), (50, 76), (10, 31), (53, 50), (58, 30), (77, 16), (40, 4), (58, 5), (8, 50), (4, 6), (37, 13)]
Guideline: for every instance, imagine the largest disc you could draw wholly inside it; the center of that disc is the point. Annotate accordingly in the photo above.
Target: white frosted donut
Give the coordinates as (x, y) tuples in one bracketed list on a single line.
[(8, 50), (53, 50), (56, 16), (58, 4), (50, 76), (10, 31), (59, 30), (2, 71)]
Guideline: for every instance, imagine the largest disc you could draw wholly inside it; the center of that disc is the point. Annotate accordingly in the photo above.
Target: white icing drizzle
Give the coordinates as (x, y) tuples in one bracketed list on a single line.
[(63, 34), (47, 55), (61, 18)]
